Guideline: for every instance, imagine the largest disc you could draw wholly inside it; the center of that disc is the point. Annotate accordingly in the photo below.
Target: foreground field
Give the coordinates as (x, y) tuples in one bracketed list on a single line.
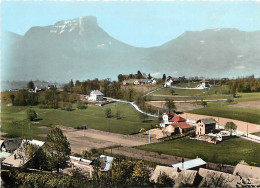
[(229, 152), (223, 110), (12, 119)]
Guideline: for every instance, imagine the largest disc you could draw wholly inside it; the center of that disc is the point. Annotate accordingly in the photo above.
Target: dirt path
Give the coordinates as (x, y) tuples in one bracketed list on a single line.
[(248, 104), (241, 125), (100, 139), (179, 106)]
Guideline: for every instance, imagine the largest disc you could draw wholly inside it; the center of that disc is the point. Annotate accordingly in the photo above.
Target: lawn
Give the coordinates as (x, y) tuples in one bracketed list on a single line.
[(228, 152), (217, 91), (248, 96), (223, 110), (94, 116)]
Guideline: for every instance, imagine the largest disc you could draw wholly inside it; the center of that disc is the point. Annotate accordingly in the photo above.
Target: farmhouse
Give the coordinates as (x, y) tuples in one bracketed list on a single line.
[(178, 127), (205, 126), (96, 95)]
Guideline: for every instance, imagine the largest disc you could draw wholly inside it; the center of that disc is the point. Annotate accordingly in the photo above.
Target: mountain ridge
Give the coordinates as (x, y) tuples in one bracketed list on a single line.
[(85, 51)]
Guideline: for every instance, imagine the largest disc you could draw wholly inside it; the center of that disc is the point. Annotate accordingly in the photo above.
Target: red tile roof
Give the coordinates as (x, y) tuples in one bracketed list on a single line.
[(177, 119), (182, 125), (204, 81)]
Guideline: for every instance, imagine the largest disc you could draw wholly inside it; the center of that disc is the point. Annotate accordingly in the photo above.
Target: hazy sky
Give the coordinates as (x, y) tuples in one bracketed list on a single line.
[(142, 24)]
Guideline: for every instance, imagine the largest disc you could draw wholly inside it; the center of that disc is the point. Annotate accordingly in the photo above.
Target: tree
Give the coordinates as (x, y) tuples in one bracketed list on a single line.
[(31, 114), (139, 75), (141, 175), (58, 147), (164, 77), (204, 103), (231, 126), (108, 113), (71, 85), (30, 85), (120, 78), (170, 104), (149, 76), (172, 91), (12, 97)]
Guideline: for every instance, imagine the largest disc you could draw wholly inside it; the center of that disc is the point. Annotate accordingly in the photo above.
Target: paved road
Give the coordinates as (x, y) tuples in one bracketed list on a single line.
[(134, 105)]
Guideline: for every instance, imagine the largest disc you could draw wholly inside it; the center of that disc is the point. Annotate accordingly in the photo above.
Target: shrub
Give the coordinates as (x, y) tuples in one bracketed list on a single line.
[(31, 114), (81, 106)]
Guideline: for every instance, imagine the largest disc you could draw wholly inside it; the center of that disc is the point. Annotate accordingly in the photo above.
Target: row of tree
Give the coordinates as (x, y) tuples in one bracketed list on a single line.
[(244, 85)]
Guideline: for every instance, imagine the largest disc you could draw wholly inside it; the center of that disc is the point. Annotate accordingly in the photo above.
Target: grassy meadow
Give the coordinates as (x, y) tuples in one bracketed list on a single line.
[(13, 123), (229, 152)]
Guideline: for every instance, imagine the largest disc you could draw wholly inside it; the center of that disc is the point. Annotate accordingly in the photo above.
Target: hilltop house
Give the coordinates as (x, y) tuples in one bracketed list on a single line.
[(151, 81), (204, 84), (96, 95), (205, 126)]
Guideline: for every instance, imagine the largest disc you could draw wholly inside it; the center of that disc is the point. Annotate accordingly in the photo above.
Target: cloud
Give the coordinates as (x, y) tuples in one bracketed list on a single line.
[(155, 74), (240, 67), (175, 72)]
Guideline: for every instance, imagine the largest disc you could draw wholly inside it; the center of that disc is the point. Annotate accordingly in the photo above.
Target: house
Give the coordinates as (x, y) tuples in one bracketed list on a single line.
[(166, 117), (128, 82), (204, 84), (181, 178), (194, 164), (96, 95), (205, 126), (247, 171), (51, 87), (178, 127), (9, 145), (152, 81), (212, 178), (19, 156), (168, 81)]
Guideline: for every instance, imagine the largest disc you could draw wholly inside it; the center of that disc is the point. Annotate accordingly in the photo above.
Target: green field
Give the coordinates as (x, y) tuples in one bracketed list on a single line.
[(223, 110), (214, 91), (228, 152), (12, 119), (248, 96)]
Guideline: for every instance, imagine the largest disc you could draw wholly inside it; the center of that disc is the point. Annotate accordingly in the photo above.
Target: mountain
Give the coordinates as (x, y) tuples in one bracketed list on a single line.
[(80, 49)]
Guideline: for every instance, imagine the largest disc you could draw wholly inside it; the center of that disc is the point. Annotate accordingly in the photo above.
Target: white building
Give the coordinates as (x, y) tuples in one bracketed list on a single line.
[(168, 81), (96, 95), (204, 83)]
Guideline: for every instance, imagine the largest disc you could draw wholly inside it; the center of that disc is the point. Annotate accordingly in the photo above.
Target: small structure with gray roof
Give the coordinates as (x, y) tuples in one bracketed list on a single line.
[(205, 126)]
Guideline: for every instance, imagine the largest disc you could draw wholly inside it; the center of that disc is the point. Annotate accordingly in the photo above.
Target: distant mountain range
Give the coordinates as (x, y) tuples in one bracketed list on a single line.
[(80, 49)]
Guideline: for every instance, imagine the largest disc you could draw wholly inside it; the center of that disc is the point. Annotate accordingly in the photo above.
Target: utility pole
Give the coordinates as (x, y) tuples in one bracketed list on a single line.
[(247, 129), (149, 138)]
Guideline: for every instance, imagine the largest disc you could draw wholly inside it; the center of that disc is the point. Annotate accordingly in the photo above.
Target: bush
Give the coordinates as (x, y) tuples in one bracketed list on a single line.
[(31, 114), (68, 108), (82, 106)]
